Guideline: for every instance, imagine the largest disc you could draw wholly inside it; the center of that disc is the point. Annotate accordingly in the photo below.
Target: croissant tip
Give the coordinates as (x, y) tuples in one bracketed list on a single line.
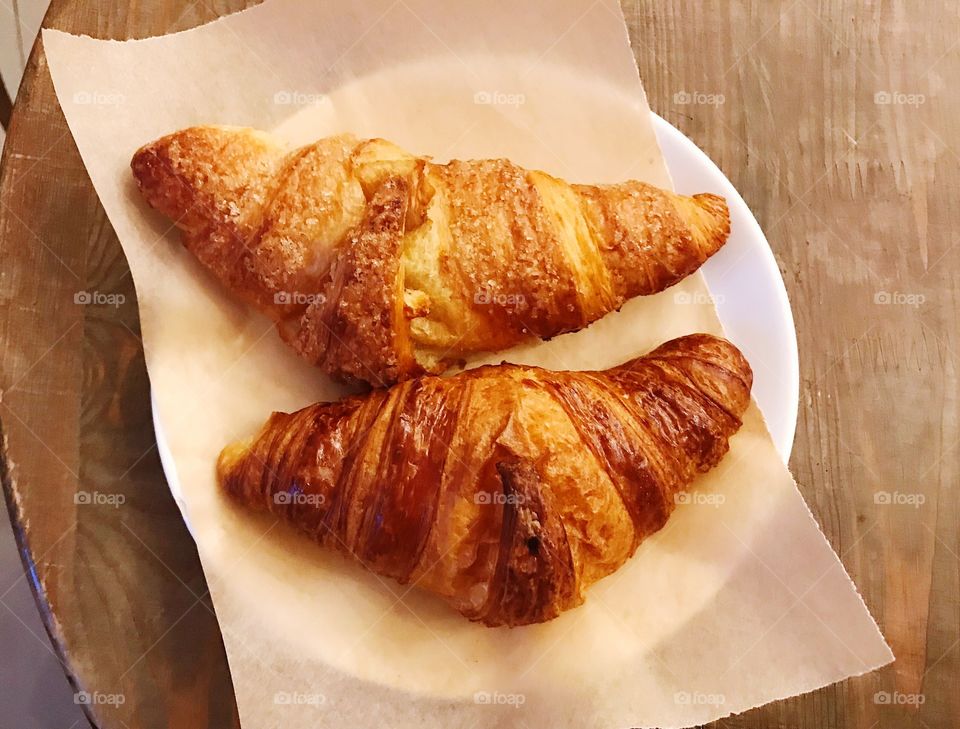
[(229, 458), (150, 166), (717, 226), (719, 352)]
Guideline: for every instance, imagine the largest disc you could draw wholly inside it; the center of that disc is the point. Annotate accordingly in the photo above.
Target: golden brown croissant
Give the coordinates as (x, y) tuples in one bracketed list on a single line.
[(506, 490), (379, 266)]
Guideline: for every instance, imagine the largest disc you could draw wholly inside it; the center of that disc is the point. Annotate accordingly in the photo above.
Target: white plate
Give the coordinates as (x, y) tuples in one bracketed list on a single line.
[(747, 288)]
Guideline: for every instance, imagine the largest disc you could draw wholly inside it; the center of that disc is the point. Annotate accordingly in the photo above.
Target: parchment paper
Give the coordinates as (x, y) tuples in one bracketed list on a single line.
[(738, 601)]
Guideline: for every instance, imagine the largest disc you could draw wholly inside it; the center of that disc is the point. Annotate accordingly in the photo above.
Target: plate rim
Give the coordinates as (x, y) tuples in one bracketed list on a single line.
[(784, 432)]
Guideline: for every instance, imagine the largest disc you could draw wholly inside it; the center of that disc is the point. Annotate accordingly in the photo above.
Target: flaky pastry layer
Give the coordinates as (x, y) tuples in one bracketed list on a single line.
[(505, 490), (378, 265)]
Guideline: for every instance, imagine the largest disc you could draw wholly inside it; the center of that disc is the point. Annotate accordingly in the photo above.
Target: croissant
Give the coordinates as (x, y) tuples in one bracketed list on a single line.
[(506, 490), (379, 266)]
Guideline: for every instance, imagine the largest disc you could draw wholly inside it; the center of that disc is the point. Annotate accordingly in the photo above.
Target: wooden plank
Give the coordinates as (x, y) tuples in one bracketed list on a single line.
[(834, 120), (835, 126), (124, 596)]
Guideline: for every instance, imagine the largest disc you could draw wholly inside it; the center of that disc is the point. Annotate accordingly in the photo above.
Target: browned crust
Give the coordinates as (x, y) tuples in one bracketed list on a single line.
[(535, 576), (508, 257), (522, 254), (356, 328), (635, 220), (216, 187), (439, 481)]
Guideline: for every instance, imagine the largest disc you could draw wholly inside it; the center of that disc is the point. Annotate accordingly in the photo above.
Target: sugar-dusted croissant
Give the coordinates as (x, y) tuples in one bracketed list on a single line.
[(380, 266), (506, 490)]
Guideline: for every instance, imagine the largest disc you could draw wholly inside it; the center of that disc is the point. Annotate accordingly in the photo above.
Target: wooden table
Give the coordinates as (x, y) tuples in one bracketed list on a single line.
[(838, 123)]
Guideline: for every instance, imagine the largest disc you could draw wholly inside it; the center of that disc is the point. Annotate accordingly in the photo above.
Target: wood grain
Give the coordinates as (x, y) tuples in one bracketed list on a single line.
[(834, 119), (835, 126), (120, 587)]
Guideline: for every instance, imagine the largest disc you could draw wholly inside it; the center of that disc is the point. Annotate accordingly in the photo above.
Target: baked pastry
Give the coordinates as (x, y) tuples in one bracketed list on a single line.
[(506, 490), (379, 266)]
